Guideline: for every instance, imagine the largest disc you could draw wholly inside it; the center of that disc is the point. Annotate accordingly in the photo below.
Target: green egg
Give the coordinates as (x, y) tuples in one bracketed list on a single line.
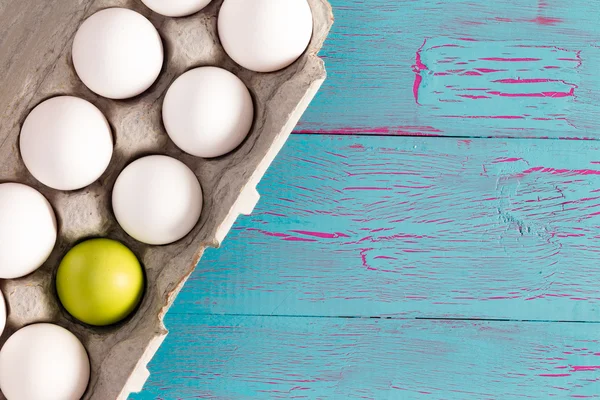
[(100, 282)]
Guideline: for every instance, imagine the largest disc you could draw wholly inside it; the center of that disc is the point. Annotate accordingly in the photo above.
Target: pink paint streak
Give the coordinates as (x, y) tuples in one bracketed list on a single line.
[(579, 368), (554, 375), (363, 257), (508, 59), (322, 235), (546, 21), (485, 116), (283, 236), (555, 171), (417, 68), (535, 80), (266, 233), (472, 96), (569, 59), (506, 160), (489, 70), (365, 188), (273, 213), (384, 258), (570, 93), (444, 45), (297, 239)]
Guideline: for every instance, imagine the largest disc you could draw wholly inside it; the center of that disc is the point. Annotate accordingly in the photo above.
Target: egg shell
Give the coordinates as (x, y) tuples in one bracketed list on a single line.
[(43, 362), (66, 143), (100, 282), (117, 53), (27, 230), (157, 200), (265, 35), (208, 112), (176, 8)]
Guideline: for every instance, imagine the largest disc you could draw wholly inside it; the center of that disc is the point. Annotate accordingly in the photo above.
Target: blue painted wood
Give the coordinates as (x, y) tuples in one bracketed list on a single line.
[(414, 227), (248, 357), (518, 68)]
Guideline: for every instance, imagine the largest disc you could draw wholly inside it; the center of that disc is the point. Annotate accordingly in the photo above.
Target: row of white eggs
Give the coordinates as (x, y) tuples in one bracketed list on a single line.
[(117, 53), (66, 142)]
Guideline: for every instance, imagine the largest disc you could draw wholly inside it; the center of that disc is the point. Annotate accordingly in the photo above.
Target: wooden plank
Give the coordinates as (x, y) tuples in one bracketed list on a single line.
[(414, 227), (226, 357), (517, 68)]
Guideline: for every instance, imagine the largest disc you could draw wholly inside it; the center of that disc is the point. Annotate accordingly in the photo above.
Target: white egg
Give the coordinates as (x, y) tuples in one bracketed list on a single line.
[(27, 230), (66, 143), (208, 112), (117, 53), (176, 8), (265, 35), (157, 200), (43, 362)]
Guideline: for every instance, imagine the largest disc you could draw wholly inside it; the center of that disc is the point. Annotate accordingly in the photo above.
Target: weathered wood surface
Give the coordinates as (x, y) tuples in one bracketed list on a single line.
[(415, 227), (247, 357), (518, 68), (452, 227)]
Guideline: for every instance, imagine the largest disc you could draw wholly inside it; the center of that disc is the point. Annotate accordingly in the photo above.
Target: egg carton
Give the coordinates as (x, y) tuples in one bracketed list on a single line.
[(35, 64)]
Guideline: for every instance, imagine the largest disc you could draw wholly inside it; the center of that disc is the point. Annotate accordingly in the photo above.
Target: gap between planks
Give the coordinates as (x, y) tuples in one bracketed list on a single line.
[(367, 133), (544, 321)]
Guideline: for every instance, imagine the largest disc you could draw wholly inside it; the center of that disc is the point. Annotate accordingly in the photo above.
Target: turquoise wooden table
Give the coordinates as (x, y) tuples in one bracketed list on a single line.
[(431, 231)]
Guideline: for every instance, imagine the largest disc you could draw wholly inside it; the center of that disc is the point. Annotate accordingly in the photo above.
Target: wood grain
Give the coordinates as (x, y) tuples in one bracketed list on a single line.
[(414, 227), (460, 68), (213, 357)]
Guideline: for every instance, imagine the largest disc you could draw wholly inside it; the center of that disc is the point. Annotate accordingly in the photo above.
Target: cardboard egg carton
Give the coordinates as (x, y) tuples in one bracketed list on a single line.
[(35, 64)]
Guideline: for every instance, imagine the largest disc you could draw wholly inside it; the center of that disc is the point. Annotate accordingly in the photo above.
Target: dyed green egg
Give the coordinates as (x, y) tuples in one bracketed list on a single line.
[(100, 282)]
